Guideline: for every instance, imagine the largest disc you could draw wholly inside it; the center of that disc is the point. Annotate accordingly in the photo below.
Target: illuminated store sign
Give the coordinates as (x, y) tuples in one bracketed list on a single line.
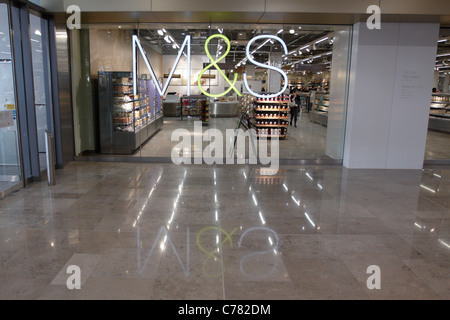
[(214, 63)]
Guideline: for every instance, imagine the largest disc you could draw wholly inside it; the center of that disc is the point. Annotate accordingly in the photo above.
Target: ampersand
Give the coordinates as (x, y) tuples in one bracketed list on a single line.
[(213, 254), (214, 63)]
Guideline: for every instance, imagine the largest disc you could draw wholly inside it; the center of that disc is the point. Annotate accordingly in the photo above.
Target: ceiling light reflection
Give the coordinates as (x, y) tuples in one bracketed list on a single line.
[(427, 188)]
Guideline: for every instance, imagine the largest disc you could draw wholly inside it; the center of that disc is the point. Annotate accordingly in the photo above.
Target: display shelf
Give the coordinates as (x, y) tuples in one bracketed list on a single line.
[(205, 114), (439, 117), (281, 136), (193, 107), (440, 97), (270, 117), (321, 109), (126, 121), (319, 112), (271, 125), (273, 102), (273, 110)]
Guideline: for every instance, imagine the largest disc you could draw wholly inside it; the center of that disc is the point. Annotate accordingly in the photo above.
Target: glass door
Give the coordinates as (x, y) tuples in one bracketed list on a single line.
[(42, 82), (10, 163)]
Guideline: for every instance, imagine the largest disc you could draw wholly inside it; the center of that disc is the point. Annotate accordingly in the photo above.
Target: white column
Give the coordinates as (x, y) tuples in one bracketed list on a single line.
[(274, 84), (436, 79), (391, 81), (338, 94)]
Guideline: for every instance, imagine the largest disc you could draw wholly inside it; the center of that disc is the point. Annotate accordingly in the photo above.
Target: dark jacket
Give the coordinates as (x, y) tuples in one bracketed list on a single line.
[(297, 100)]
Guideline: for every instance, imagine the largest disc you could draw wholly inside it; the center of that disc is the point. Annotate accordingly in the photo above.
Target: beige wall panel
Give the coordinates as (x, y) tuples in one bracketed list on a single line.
[(110, 5), (429, 7), (208, 5), (110, 52), (319, 6)]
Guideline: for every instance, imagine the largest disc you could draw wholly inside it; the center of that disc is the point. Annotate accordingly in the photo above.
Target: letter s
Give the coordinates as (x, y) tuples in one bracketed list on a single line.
[(249, 57)]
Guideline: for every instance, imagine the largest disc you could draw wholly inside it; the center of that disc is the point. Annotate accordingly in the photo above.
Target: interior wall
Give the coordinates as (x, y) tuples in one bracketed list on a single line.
[(111, 50), (387, 127)]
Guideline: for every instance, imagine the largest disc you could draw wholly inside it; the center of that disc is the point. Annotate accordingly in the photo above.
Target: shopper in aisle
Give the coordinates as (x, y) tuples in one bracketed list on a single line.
[(295, 106)]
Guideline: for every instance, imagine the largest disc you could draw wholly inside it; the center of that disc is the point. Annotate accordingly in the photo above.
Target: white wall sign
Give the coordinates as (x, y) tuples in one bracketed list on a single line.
[(6, 119)]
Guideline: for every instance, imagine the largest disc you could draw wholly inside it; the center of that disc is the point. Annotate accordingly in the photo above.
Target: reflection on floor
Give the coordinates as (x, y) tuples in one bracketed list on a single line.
[(147, 231), (438, 146), (305, 142), (9, 177), (43, 161)]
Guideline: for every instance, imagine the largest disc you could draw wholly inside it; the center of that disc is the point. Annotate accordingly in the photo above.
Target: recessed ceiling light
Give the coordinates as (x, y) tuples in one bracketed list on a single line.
[(292, 31)]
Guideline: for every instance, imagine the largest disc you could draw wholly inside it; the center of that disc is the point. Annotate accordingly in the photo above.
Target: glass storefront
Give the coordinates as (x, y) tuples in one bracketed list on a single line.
[(438, 138), (10, 164), (42, 85), (26, 93), (109, 121)]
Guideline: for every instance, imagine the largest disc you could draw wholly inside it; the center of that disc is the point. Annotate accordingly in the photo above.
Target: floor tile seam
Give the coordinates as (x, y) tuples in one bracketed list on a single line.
[(222, 267), (422, 252), (421, 276), (353, 277), (435, 202)]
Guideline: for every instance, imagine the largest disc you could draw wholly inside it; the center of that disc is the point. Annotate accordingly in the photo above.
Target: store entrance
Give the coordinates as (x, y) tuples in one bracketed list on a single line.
[(129, 117), (10, 163), (438, 139)]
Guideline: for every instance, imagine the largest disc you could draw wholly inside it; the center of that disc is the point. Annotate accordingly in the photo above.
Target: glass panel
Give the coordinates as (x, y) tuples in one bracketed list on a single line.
[(317, 66), (438, 139), (42, 85), (10, 170)]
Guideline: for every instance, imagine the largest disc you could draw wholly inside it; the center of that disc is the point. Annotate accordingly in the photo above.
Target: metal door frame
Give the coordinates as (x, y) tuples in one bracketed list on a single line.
[(19, 28)]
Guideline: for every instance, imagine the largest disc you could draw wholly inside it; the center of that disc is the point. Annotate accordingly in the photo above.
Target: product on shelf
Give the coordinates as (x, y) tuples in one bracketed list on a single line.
[(270, 116), (121, 111)]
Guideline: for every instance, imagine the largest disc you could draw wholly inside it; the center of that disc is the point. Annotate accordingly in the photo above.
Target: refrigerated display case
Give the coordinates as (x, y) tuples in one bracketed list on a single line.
[(319, 112), (440, 112), (127, 121)]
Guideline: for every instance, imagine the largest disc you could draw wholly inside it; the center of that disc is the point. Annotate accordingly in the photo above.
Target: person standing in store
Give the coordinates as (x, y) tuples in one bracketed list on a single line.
[(295, 106)]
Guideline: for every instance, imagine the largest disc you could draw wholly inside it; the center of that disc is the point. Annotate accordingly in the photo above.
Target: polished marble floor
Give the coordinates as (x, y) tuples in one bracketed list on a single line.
[(438, 146), (150, 231), (306, 142)]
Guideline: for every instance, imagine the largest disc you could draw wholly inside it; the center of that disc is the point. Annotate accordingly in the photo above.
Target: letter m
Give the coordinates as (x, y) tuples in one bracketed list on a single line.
[(161, 89)]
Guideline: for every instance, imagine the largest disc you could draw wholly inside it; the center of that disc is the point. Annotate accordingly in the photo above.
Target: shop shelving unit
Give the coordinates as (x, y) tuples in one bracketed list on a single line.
[(271, 117), (440, 112), (191, 107), (126, 121), (319, 113), (247, 110), (205, 114)]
